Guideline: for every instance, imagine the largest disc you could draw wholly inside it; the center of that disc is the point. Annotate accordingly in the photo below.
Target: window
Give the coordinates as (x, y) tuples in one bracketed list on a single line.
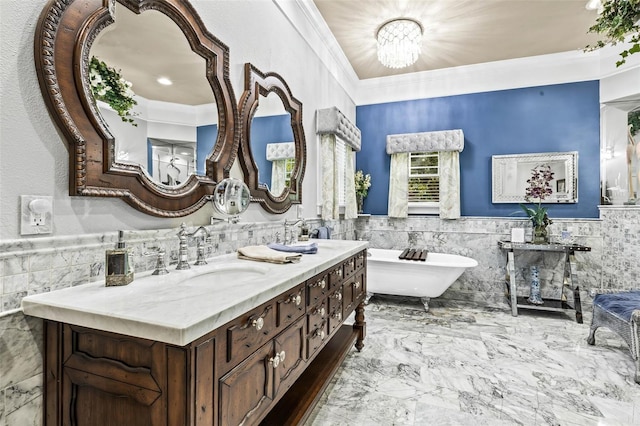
[(289, 164), (424, 183)]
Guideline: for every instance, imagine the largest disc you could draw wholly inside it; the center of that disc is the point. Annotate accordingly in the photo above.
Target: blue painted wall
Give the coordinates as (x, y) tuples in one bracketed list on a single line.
[(265, 130), (205, 139), (564, 117)]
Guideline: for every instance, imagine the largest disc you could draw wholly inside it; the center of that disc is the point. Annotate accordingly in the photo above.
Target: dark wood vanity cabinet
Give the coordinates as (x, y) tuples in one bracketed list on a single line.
[(267, 366)]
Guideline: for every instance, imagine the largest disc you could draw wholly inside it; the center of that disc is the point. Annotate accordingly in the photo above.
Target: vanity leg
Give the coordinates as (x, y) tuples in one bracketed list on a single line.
[(511, 270), (360, 325)]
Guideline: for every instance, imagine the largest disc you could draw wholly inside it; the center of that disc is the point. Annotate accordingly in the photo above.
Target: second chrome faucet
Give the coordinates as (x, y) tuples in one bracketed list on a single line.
[(183, 250)]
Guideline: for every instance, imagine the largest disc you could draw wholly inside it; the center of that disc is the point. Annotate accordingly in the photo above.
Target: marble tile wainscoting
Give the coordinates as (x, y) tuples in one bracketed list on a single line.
[(478, 238)]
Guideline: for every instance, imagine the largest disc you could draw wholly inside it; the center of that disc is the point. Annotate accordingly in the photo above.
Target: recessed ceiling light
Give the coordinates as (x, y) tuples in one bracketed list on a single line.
[(164, 81)]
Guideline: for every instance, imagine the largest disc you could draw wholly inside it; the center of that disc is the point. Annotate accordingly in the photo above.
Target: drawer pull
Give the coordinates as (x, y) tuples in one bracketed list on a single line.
[(337, 315), (321, 284), (319, 311), (258, 323), (338, 272), (356, 284), (320, 333), (337, 295), (277, 359), (295, 299)]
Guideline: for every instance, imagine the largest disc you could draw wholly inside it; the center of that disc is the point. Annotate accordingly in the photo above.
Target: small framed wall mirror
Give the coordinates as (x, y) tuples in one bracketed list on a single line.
[(509, 175)]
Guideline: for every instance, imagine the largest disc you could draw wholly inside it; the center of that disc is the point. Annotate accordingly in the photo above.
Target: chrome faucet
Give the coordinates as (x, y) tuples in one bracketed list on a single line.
[(289, 236), (183, 250)]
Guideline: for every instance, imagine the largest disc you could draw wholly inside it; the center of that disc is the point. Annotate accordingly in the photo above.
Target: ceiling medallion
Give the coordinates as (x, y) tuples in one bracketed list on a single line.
[(399, 42)]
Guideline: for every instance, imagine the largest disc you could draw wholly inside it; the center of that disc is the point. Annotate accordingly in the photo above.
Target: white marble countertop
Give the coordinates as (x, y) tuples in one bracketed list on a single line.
[(182, 306)]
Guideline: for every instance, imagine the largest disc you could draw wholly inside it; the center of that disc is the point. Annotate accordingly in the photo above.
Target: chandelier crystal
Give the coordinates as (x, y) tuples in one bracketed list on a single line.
[(399, 42)]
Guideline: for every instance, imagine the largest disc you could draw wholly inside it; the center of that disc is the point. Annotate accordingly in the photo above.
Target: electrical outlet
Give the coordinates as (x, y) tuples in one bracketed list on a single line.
[(36, 214)]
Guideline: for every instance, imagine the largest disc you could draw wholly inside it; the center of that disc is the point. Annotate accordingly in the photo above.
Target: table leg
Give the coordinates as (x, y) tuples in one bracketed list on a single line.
[(511, 269), (571, 259)]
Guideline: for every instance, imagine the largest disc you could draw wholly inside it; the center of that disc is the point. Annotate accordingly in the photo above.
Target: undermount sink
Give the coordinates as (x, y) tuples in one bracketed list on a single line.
[(235, 272)]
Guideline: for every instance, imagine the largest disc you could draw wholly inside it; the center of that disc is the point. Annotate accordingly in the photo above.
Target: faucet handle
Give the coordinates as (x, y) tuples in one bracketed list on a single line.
[(161, 268), (202, 243)]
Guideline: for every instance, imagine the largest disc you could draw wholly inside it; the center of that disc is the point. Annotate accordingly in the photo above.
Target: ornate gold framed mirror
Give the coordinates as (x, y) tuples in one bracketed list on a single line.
[(274, 166), (163, 172)]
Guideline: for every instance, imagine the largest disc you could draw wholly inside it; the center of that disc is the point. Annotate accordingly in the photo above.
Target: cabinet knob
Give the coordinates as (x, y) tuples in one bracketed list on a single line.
[(322, 284), (282, 356), (337, 295), (295, 299), (319, 311), (275, 361), (338, 272), (356, 284), (258, 323), (338, 316), (320, 332)]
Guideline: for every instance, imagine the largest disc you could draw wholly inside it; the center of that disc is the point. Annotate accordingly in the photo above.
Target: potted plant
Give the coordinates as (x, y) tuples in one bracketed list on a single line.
[(363, 183), (539, 188)]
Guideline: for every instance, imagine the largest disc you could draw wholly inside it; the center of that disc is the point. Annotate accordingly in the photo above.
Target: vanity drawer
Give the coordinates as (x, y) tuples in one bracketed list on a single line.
[(317, 288), (291, 306), (349, 266), (352, 292), (335, 319), (317, 315), (360, 259), (336, 274), (316, 338), (335, 299), (250, 331)]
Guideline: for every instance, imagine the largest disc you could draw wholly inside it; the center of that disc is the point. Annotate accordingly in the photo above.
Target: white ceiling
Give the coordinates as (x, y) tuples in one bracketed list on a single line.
[(460, 32), (457, 32)]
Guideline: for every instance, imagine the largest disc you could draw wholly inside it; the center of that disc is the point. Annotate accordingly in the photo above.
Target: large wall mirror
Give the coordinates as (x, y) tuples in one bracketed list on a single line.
[(510, 174), (272, 143), (180, 137)]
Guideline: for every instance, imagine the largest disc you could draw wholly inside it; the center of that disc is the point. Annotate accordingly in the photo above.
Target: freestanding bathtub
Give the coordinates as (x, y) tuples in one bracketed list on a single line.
[(387, 274)]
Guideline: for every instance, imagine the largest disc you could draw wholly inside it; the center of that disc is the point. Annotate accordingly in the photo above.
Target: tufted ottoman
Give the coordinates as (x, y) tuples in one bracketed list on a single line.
[(620, 312)]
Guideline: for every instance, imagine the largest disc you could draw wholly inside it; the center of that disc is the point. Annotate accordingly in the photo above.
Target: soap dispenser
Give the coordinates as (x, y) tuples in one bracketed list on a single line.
[(118, 267)]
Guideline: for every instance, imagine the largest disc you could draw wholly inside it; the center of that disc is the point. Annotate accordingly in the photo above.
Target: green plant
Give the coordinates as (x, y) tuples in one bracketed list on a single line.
[(634, 121), (109, 86), (539, 188), (363, 183), (617, 21)]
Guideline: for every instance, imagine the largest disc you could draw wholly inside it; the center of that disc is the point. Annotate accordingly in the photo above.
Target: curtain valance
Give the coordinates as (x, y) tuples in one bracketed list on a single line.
[(332, 121), (445, 140), (281, 151)]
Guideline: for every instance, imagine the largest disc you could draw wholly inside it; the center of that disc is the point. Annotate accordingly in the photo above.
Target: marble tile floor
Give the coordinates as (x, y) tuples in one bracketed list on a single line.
[(474, 366)]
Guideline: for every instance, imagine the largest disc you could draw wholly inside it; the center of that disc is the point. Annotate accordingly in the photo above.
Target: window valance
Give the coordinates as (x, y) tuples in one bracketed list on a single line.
[(445, 140), (332, 121), (281, 151)]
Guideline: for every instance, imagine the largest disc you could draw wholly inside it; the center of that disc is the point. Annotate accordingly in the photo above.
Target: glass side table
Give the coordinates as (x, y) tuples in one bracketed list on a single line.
[(569, 278)]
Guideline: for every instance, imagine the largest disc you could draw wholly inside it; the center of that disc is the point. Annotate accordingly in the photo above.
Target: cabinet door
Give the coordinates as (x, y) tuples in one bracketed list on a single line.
[(289, 346), (246, 392)]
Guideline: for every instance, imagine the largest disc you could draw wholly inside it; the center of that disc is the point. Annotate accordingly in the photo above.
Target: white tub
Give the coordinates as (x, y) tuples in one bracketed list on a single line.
[(387, 274)]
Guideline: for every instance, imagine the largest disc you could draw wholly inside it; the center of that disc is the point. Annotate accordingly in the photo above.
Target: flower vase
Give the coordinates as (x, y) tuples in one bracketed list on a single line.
[(360, 201), (535, 297), (540, 234)]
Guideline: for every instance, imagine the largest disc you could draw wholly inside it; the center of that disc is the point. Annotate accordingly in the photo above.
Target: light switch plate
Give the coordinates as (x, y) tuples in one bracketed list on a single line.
[(36, 214)]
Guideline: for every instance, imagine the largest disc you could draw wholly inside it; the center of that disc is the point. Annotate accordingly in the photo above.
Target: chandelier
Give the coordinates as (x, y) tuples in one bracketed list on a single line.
[(399, 42)]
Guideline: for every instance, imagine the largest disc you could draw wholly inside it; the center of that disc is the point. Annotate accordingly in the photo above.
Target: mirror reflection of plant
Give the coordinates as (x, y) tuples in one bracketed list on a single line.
[(109, 86), (539, 188), (618, 20)]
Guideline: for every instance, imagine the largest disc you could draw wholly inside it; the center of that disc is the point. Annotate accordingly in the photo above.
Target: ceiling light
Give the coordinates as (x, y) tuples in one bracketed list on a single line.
[(399, 42), (595, 5), (164, 81)]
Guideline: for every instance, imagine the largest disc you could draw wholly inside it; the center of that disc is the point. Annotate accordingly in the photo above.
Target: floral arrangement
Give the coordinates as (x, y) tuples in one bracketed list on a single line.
[(107, 85), (363, 183), (618, 21), (539, 188)]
